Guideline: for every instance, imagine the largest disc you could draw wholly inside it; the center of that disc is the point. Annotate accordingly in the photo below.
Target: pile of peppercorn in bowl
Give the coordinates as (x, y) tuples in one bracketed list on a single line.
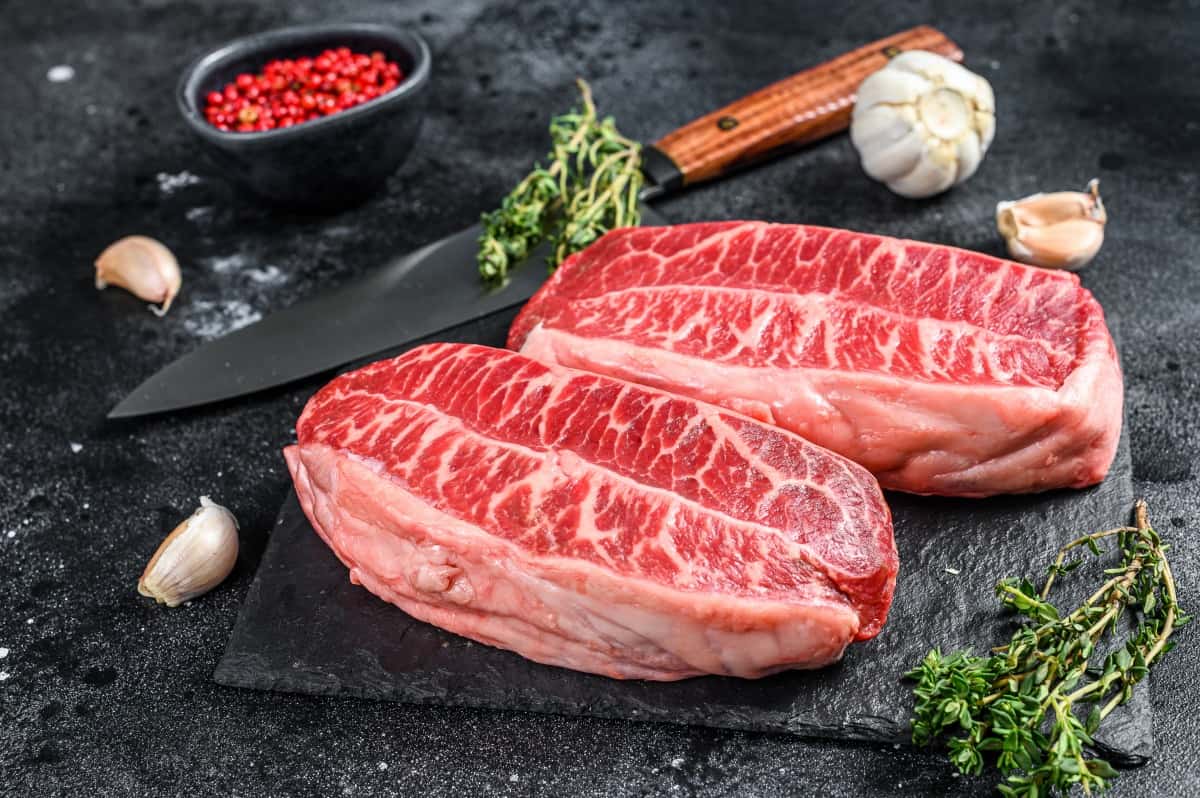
[(313, 116)]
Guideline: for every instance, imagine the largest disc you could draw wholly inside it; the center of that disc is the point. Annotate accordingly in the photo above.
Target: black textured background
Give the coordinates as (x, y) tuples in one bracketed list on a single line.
[(106, 694)]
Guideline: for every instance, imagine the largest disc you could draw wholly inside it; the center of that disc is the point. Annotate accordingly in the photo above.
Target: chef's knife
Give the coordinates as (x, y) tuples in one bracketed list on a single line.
[(438, 287)]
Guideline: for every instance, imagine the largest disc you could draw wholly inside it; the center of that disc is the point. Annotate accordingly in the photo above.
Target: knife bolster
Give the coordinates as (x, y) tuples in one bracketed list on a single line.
[(661, 170)]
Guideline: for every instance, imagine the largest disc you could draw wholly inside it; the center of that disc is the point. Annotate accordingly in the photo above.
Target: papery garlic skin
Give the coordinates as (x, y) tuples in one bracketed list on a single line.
[(922, 123), (1060, 230), (194, 558), (142, 266)]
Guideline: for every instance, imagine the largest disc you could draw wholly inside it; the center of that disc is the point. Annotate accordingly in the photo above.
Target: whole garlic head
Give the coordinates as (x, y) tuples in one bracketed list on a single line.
[(922, 123)]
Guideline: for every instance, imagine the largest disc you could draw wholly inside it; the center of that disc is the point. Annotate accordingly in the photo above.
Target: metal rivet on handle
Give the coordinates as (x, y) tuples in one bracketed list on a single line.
[(891, 51), (727, 123)]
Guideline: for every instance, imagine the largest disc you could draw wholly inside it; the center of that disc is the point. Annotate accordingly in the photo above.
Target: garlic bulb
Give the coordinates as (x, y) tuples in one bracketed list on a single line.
[(922, 123), (1062, 230), (142, 266), (195, 557)]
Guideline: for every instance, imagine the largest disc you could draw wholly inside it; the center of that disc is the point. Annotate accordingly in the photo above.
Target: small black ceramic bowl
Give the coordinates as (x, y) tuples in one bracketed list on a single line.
[(330, 162)]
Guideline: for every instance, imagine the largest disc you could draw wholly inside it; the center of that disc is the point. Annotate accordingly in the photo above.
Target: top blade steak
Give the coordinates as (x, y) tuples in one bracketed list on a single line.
[(942, 371), (592, 523)]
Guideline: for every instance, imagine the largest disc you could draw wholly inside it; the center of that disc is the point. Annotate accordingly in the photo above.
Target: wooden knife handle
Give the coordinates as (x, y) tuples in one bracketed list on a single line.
[(804, 108)]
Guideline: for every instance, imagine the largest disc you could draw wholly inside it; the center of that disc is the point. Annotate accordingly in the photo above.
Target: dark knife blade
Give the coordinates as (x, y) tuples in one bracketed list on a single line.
[(415, 296)]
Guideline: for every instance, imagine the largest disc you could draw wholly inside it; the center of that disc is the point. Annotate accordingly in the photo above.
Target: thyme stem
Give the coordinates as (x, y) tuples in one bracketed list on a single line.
[(590, 186), (1019, 704)]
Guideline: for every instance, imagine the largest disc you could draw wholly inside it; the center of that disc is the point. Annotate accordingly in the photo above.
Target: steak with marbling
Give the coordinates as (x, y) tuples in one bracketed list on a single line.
[(942, 371), (592, 523)]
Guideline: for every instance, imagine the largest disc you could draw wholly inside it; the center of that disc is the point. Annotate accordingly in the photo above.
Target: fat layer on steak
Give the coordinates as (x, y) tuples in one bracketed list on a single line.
[(940, 370), (592, 523)]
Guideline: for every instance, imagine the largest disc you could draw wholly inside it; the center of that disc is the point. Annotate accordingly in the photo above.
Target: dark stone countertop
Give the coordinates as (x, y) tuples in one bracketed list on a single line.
[(105, 694)]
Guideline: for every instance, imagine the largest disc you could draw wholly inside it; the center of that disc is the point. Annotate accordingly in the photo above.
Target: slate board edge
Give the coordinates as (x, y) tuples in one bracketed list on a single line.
[(316, 683), (233, 666)]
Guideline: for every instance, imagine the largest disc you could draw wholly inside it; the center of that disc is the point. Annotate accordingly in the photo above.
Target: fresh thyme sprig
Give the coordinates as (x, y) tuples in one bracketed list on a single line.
[(590, 187), (1023, 702)]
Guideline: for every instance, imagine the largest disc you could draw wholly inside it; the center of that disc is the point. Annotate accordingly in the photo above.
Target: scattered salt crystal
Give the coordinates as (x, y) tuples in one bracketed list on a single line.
[(4, 676), (60, 74), (76, 447), (953, 571), (210, 319), (29, 621), (224, 264), (383, 765), (11, 533), (3, 652), (268, 275), (677, 762), (85, 505), (170, 183), (514, 778)]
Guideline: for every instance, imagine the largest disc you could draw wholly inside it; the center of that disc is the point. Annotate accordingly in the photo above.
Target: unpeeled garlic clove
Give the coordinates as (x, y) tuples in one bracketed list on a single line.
[(142, 266), (1061, 230), (195, 557)]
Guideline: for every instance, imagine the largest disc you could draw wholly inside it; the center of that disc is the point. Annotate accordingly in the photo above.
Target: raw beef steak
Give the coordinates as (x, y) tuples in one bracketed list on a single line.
[(942, 371), (591, 523)]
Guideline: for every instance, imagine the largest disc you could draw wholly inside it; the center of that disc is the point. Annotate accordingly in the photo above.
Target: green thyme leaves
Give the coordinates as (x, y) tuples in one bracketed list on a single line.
[(1020, 706), (589, 187)]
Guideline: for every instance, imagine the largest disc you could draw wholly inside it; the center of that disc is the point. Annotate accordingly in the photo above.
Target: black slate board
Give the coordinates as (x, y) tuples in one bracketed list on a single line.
[(304, 628)]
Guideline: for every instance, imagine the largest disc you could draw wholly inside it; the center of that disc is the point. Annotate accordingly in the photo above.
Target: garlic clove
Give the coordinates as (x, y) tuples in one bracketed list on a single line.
[(896, 159), (968, 154), (142, 266), (879, 127), (194, 558), (902, 89), (1060, 230), (933, 174)]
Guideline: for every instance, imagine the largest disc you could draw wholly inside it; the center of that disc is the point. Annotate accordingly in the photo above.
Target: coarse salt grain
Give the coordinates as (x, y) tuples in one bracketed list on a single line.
[(170, 183), (60, 74), (76, 447), (3, 652), (4, 676)]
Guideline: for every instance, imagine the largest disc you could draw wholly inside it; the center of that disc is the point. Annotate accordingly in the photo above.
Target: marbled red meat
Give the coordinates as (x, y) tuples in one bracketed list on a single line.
[(942, 371), (589, 522)]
